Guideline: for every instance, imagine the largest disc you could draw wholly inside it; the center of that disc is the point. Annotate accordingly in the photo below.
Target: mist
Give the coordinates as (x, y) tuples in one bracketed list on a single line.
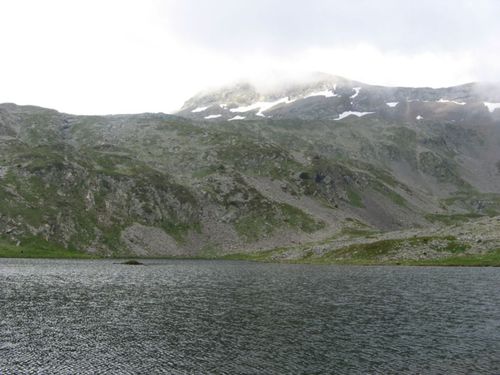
[(150, 56)]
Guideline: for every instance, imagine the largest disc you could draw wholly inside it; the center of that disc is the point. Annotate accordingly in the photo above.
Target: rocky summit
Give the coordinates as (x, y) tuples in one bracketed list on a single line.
[(327, 163)]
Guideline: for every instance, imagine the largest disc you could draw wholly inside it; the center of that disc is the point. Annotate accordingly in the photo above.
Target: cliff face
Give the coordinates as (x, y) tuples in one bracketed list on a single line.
[(333, 155)]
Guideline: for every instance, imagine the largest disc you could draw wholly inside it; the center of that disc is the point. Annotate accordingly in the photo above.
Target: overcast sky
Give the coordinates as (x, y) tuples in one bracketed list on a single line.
[(127, 56)]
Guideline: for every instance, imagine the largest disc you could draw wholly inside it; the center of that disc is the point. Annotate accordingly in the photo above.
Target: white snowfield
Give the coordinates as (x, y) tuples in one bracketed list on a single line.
[(419, 117), (357, 90), (349, 113), (199, 109), (237, 118), (392, 104), (451, 101), (492, 106), (325, 93), (212, 116), (262, 106)]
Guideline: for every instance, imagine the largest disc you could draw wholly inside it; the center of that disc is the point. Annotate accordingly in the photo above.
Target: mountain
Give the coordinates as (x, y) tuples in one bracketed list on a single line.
[(325, 97), (239, 170)]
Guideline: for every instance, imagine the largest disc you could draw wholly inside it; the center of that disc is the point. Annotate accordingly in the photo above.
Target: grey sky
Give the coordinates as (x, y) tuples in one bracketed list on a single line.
[(115, 56), (279, 26)]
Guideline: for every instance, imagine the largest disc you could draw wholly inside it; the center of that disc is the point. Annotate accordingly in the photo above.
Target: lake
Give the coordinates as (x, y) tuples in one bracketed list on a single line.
[(221, 317)]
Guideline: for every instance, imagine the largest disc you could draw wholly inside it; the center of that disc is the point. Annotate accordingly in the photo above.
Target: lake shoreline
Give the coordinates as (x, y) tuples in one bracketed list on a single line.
[(122, 260), (416, 251)]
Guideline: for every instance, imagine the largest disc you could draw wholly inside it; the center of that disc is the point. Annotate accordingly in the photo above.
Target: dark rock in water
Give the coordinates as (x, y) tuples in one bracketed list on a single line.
[(133, 263)]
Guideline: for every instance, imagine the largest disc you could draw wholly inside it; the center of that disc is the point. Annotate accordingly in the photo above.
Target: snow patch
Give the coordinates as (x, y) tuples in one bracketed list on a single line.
[(392, 104), (492, 106), (212, 116), (199, 109), (451, 101), (357, 90), (419, 117), (349, 113), (261, 106), (325, 93), (223, 106), (237, 118)]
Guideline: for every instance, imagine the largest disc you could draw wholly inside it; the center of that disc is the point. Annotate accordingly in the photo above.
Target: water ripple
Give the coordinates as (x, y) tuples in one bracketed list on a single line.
[(197, 317)]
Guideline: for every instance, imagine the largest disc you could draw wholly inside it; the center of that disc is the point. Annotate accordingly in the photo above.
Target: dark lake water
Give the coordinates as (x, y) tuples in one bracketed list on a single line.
[(211, 317)]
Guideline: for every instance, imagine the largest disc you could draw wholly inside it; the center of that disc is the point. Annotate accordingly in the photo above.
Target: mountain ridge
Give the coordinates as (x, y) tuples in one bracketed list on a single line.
[(342, 95), (181, 185)]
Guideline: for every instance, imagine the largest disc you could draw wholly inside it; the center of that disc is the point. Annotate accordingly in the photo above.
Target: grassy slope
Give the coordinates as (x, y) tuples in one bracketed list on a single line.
[(491, 259), (378, 253), (366, 255), (39, 249), (260, 148)]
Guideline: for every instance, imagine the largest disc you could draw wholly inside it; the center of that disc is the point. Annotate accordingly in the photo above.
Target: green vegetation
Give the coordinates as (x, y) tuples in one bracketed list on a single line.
[(80, 181), (257, 158), (366, 251), (261, 256), (392, 195), (179, 230), (489, 259), (297, 218), (261, 224), (381, 251), (354, 198), (468, 200), (356, 232), (254, 226), (365, 257), (451, 219), (376, 253), (208, 170), (444, 169), (36, 248)]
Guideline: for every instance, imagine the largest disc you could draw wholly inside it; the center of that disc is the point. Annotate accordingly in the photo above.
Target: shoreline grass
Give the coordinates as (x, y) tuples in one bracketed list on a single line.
[(41, 250), (489, 259), (45, 250)]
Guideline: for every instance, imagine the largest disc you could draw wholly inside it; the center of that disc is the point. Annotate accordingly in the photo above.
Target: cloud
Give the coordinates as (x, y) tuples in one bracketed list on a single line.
[(275, 26), (150, 55)]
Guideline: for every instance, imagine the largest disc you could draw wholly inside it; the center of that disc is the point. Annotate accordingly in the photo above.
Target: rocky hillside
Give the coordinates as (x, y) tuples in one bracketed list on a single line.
[(237, 170)]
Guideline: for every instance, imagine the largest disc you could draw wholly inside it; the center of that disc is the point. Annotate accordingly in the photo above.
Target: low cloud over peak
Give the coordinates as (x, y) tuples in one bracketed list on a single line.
[(134, 56)]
